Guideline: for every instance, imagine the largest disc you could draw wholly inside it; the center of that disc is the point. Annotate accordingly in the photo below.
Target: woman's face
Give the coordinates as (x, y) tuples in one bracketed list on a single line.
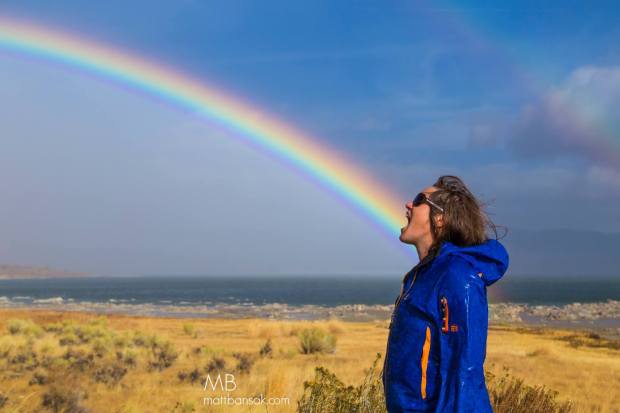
[(418, 226)]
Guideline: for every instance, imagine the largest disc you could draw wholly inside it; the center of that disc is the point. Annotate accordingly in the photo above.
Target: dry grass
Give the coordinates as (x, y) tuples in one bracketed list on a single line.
[(511, 395), (326, 393), (589, 375)]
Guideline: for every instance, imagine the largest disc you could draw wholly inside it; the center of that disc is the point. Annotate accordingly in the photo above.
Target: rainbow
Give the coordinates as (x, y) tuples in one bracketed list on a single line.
[(316, 160)]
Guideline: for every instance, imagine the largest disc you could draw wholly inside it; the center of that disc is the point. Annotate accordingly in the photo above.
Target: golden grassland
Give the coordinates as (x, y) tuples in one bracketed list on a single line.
[(146, 364)]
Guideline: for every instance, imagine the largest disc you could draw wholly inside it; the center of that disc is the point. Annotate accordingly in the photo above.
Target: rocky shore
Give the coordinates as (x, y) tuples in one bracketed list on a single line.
[(506, 312), (608, 311)]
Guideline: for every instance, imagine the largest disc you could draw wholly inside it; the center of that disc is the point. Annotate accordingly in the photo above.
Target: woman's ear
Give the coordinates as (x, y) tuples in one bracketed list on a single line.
[(439, 220)]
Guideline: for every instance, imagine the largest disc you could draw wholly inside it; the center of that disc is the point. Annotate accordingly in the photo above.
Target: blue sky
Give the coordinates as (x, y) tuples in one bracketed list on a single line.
[(520, 99)]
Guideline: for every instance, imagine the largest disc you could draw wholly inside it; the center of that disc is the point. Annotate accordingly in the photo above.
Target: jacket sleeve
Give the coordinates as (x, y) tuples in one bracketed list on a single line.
[(462, 339)]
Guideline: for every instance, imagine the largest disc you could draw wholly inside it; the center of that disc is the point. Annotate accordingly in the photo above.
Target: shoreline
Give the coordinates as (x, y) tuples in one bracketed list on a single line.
[(600, 316)]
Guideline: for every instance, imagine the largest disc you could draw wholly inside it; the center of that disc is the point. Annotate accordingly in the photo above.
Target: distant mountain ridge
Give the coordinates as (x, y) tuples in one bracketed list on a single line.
[(9, 271), (563, 252)]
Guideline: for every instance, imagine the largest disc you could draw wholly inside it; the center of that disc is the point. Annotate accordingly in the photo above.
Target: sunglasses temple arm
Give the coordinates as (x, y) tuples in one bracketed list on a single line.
[(435, 205)]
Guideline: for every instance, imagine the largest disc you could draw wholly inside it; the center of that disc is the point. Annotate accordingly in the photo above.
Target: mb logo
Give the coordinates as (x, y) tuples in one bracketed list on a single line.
[(228, 384)]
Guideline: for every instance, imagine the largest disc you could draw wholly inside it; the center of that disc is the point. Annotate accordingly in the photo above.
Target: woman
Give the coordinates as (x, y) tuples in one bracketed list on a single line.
[(437, 342)]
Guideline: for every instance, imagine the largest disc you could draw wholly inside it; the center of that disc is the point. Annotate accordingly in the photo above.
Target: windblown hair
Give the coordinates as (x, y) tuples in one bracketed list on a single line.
[(464, 220)]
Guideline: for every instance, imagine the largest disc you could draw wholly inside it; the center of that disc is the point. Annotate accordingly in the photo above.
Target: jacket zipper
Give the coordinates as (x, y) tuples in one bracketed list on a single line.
[(396, 304), (445, 315), (401, 295)]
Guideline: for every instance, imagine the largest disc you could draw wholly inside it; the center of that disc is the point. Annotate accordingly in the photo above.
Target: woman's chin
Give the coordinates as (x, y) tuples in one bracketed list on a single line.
[(405, 236), (402, 237)]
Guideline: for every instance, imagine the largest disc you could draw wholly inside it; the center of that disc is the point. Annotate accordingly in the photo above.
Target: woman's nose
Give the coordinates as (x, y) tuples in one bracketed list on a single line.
[(409, 205)]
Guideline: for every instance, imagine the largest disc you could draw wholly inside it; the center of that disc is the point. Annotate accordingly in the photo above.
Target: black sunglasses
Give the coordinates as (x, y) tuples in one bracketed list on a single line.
[(421, 198)]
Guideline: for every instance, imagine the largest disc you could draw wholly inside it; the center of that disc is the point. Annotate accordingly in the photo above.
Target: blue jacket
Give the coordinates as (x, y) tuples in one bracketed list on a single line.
[(437, 342)]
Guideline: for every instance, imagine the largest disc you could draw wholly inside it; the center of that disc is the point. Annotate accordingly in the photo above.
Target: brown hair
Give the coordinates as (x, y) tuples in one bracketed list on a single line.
[(464, 220)]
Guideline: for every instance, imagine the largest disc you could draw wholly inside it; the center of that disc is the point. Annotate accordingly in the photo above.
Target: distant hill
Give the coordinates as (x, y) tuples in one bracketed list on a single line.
[(563, 252), (8, 271)]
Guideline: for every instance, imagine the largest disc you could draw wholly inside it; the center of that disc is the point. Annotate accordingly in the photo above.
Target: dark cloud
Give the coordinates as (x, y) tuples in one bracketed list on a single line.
[(555, 252), (547, 130), (577, 122)]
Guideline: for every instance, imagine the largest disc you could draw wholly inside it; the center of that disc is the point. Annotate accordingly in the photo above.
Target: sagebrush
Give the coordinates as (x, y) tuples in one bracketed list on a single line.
[(327, 394)]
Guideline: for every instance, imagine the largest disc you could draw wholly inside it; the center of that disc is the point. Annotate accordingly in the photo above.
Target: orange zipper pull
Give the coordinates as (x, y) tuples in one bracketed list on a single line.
[(445, 315)]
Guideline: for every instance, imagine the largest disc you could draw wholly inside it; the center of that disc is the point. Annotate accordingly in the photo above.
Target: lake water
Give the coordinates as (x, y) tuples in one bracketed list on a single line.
[(293, 290)]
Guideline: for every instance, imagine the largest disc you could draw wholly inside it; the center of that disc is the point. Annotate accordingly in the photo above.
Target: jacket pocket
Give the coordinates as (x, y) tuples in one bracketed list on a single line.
[(426, 349)]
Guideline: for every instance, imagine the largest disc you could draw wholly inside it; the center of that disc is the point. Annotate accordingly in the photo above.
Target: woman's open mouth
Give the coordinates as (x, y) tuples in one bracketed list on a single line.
[(408, 217)]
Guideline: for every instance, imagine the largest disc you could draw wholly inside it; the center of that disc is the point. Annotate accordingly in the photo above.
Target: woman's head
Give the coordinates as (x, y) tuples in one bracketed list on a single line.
[(447, 211)]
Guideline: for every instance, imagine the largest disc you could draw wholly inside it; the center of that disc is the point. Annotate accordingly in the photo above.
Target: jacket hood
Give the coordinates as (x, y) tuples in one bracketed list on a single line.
[(490, 258)]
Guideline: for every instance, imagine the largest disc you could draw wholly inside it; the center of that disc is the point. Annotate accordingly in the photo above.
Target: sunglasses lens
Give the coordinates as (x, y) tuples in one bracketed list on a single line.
[(418, 199)]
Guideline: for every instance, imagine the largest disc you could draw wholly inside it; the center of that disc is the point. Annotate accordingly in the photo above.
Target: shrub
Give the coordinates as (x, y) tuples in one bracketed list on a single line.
[(54, 327), (288, 354), (55, 363), (101, 321), (182, 375), (216, 364), (163, 354), (64, 399), (210, 351), (3, 400), (79, 359), (538, 352), (510, 395), (154, 341), (188, 329), (122, 341), (191, 376), (69, 339), (7, 343), (71, 333), (15, 326), (109, 374), (326, 393), (129, 357), (140, 339), (266, 350), (24, 327), (245, 362), (590, 340), (39, 377), (101, 347), (184, 407), (46, 348), (24, 358), (88, 333), (316, 340)]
